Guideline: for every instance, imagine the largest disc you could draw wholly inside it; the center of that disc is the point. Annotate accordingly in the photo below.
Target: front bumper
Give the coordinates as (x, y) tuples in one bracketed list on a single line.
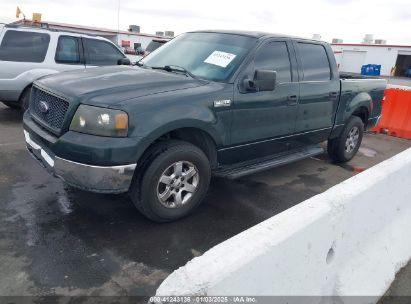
[(102, 179)]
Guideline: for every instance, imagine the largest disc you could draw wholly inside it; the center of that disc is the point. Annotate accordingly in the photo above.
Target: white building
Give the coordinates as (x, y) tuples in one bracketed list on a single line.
[(392, 58), (131, 39)]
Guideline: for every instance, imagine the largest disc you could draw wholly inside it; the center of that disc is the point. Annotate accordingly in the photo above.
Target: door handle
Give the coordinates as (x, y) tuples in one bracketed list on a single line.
[(292, 100), (333, 95)]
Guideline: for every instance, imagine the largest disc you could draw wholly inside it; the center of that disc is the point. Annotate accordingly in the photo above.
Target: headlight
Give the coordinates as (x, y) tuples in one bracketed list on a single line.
[(100, 121)]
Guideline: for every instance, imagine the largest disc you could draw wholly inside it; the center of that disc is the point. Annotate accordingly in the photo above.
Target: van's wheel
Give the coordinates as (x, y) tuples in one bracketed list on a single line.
[(171, 180), (12, 105), (343, 148), (25, 99)]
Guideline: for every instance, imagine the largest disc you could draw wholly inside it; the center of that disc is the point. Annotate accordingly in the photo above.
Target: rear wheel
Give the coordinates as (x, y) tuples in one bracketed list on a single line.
[(171, 181), (343, 148)]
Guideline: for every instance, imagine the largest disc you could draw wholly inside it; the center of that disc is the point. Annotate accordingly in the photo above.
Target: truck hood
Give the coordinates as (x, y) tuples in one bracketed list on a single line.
[(106, 86)]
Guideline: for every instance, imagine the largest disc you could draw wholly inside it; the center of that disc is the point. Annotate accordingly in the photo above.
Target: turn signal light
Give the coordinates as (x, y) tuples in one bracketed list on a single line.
[(121, 121)]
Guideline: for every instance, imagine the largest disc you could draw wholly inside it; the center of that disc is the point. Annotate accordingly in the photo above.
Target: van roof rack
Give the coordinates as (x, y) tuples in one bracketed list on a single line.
[(44, 26), (39, 25)]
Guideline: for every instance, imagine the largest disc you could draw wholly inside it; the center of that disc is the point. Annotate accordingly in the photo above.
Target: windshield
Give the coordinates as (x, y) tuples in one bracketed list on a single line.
[(211, 56)]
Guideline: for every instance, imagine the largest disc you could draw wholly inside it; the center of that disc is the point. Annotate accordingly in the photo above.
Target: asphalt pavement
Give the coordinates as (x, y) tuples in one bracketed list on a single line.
[(55, 240)]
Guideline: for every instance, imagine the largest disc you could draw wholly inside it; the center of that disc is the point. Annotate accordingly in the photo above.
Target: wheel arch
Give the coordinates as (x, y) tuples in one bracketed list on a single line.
[(195, 135), (363, 113), (27, 87), (361, 105), (29, 77)]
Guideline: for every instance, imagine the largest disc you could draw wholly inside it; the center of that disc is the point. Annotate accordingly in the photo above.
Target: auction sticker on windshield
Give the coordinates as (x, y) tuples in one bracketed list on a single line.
[(221, 59)]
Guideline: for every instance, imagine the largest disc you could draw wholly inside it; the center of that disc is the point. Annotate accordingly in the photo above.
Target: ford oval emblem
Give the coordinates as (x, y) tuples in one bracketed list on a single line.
[(43, 106)]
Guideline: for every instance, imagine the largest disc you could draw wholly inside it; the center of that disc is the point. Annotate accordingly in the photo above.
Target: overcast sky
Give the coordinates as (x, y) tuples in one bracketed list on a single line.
[(346, 19)]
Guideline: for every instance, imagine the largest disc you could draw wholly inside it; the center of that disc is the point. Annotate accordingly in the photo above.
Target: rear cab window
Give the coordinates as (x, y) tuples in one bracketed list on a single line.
[(99, 52), (314, 62), (22, 46)]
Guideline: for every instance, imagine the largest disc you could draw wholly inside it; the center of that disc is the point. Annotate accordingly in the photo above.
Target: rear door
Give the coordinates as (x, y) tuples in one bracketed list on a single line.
[(319, 93), (69, 53), (261, 120), (100, 52)]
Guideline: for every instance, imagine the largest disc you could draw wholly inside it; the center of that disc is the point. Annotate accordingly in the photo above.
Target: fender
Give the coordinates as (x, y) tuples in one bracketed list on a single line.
[(23, 80), (199, 115), (203, 126), (166, 115), (30, 76), (362, 99), (347, 106)]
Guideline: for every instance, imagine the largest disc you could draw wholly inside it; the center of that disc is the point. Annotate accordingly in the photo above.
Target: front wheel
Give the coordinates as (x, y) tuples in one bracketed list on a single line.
[(171, 181), (343, 148)]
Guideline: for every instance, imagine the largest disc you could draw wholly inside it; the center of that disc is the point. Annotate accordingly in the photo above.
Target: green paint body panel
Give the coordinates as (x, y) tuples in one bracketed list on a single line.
[(254, 125)]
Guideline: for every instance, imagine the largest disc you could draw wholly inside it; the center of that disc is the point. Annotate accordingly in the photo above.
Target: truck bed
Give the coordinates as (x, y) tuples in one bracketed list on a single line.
[(344, 75)]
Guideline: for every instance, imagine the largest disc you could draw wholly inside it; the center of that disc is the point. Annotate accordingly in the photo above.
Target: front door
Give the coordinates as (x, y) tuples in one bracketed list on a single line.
[(100, 52), (261, 120)]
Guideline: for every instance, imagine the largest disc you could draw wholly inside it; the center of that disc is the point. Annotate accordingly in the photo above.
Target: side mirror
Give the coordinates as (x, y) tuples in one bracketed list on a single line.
[(124, 61), (263, 80)]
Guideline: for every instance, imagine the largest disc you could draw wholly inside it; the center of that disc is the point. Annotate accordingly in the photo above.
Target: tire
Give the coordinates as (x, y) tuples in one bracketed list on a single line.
[(25, 99), (343, 148), (12, 105), (159, 190)]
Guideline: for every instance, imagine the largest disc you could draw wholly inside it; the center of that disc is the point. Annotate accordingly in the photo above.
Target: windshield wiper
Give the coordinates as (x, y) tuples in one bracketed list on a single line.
[(174, 68)]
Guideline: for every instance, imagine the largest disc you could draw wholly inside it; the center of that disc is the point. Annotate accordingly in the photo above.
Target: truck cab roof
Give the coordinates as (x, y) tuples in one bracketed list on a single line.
[(253, 34)]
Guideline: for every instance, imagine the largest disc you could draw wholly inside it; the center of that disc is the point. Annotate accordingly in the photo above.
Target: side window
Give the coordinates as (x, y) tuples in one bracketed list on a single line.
[(101, 52), (315, 64), (274, 56), (68, 50), (24, 46)]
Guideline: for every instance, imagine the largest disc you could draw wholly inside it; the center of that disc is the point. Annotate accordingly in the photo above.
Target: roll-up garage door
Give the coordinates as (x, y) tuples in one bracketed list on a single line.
[(352, 61)]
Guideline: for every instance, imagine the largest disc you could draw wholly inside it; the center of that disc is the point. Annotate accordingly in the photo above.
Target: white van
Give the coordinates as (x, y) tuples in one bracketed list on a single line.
[(28, 53)]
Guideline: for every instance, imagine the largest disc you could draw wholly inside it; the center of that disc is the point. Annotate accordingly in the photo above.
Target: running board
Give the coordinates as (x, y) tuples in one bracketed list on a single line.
[(261, 164)]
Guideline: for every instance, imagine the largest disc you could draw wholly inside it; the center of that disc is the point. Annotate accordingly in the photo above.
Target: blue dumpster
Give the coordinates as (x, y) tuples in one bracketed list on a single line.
[(371, 70), (377, 69)]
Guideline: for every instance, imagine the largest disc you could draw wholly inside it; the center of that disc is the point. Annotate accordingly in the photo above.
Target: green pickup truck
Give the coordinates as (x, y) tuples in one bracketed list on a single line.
[(223, 103)]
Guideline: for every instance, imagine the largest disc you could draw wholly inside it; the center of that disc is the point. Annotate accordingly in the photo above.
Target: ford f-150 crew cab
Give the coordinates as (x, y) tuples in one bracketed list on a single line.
[(227, 103)]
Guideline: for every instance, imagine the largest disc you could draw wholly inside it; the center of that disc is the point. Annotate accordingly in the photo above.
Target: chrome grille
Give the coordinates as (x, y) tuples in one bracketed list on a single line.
[(48, 109)]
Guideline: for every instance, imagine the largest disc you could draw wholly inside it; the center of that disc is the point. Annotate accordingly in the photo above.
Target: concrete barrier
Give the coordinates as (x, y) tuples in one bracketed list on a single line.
[(350, 240)]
